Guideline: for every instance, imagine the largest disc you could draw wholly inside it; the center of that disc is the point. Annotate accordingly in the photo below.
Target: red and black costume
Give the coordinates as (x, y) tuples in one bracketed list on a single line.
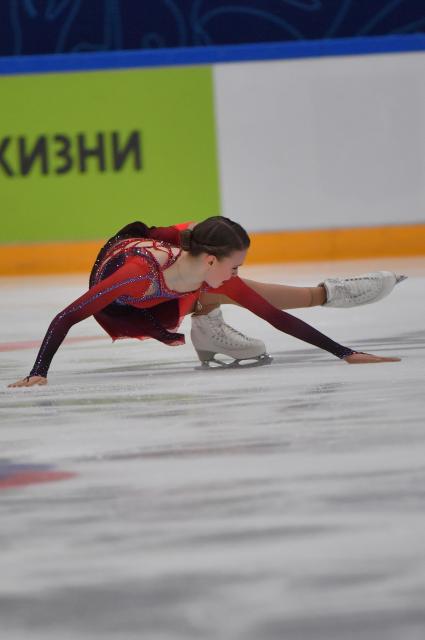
[(129, 298)]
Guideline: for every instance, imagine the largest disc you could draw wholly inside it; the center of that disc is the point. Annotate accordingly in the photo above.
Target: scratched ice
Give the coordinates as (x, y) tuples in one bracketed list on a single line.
[(281, 502)]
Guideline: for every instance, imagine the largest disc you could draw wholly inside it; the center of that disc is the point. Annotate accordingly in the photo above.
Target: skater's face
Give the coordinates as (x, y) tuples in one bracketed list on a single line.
[(221, 269)]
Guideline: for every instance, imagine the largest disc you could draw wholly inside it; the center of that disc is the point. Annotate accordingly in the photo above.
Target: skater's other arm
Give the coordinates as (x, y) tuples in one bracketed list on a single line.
[(241, 293), (133, 279)]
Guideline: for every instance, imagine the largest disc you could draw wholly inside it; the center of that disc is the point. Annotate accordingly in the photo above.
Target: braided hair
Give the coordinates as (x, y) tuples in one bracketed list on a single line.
[(218, 236)]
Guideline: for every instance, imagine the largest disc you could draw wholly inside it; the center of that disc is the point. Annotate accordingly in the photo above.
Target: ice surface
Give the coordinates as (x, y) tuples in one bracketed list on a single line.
[(284, 502)]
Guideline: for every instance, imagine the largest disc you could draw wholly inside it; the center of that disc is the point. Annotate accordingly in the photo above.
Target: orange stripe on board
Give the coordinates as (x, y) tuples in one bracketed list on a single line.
[(337, 244), (278, 246), (49, 258)]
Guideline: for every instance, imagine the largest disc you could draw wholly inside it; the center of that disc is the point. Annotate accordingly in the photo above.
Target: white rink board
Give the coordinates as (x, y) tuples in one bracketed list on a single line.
[(283, 502), (323, 142)]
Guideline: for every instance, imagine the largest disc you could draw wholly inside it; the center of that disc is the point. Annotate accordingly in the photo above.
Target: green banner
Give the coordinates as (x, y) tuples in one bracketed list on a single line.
[(82, 154)]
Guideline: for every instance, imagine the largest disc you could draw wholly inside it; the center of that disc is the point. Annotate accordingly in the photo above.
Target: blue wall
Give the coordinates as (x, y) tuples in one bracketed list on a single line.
[(61, 26)]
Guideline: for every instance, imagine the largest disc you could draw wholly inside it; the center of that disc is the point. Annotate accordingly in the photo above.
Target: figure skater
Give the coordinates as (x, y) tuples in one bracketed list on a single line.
[(146, 279)]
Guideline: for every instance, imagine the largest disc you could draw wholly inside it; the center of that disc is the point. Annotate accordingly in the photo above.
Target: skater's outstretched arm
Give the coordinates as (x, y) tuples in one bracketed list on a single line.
[(241, 293), (133, 279)]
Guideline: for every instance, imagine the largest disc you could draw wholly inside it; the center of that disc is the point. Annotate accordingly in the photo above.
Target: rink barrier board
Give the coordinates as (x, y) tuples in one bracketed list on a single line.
[(270, 247), (65, 256)]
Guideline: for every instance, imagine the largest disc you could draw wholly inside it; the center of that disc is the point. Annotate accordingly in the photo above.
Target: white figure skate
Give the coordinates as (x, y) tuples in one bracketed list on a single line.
[(211, 336), (363, 289)]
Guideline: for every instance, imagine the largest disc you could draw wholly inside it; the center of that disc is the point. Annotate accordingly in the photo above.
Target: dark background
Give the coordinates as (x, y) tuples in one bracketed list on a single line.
[(63, 26)]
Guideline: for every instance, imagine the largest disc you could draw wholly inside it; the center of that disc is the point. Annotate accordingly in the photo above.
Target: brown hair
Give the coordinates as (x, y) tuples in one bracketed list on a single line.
[(217, 236)]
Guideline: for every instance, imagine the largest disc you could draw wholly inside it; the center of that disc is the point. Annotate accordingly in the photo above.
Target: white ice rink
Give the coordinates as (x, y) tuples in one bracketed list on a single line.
[(283, 502)]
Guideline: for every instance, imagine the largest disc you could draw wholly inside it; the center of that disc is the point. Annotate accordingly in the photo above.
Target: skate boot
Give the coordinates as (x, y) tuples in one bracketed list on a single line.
[(363, 289), (211, 336)]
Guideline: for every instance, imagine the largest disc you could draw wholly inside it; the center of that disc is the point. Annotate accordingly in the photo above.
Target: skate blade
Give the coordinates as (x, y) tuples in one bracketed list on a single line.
[(216, 364), (400, 278)]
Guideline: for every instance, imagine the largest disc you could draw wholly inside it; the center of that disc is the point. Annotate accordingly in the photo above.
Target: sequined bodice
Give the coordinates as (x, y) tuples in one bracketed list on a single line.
[(147, 252)]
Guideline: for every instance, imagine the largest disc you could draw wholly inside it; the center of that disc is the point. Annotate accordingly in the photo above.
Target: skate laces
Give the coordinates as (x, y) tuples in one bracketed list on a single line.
[(223, 332)]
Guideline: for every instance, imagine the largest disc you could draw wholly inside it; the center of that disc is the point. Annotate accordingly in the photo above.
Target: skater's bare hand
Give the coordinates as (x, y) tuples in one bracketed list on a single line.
[(29, 381), (367, 358)]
